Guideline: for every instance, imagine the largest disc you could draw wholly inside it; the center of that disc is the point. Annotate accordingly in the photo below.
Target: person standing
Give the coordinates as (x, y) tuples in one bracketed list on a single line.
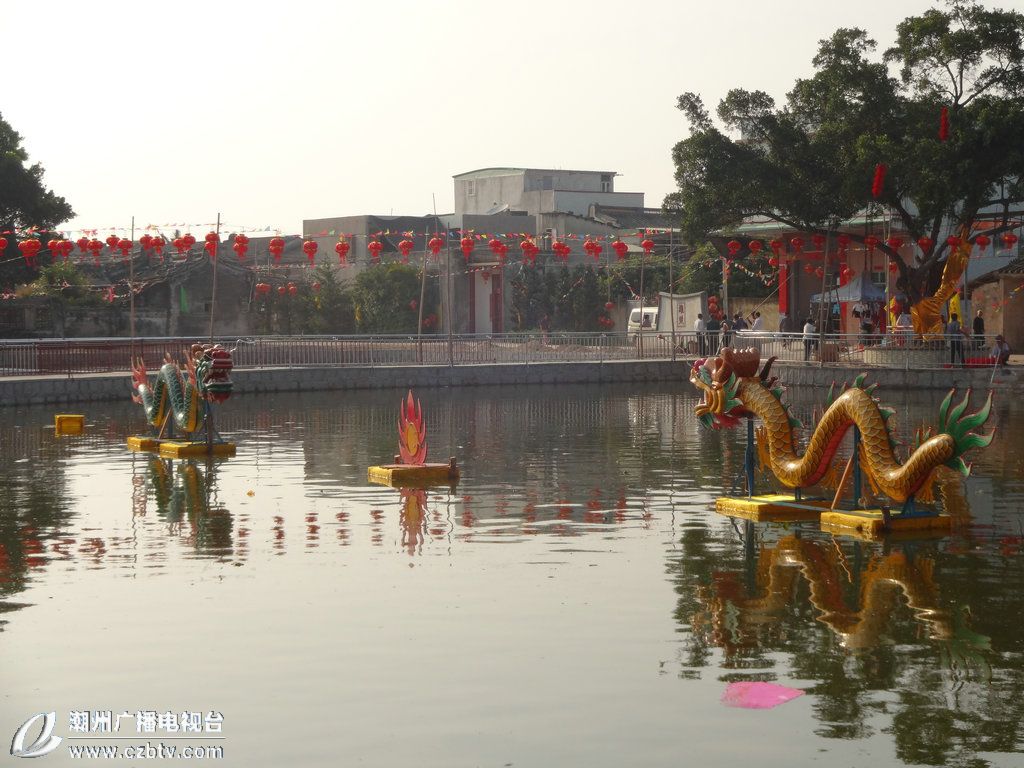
[(784, 329), (699, 327), (810, 338), (758, 322), (713, 327), (955, 334), (726, 332), (978, 330)]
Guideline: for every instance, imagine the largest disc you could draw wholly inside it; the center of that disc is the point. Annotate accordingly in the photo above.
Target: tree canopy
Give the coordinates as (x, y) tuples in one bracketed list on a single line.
[(24, 200), (809, 164)]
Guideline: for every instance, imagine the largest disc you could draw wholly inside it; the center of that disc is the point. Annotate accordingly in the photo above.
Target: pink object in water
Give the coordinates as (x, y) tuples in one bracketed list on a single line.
[(753, 695)]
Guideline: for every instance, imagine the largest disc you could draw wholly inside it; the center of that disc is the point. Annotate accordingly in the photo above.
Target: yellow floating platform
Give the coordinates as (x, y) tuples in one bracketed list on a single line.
[(171, 449), (69, 423), (413, 475), (136, 443), (869, 522), (772, 507)]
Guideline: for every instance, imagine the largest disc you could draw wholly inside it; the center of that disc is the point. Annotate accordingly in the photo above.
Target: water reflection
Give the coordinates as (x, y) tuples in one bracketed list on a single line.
[(908, 645)]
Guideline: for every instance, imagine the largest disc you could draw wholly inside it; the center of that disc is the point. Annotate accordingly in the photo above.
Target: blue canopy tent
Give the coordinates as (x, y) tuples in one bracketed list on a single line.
[(857, 289)]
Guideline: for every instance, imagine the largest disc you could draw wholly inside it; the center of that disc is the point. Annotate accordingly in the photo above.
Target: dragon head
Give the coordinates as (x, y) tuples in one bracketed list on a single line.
[(210, 365), (719, 379)]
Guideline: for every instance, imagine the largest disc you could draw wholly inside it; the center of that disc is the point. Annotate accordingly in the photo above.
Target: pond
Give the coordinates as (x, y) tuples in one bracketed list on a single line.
[(575, 600)]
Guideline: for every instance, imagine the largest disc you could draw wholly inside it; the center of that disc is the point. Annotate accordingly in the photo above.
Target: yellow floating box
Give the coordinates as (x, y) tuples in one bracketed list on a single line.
[(170, 449), (136, 443), (772, 507), (869, 522), (413, 475), (69, 423)]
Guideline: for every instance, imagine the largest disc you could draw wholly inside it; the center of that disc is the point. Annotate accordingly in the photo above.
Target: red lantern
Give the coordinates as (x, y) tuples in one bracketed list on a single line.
[(755, 246), (124, 245), (495, 245), (953, 241), (262, 289), (179, 244), (435, 245), (871, 242), (146, 241), (342, 248), (54, 247), (596, 251), (808, 268), (406, 246), (467, 244), (776, 246), (189, 241), (798, 245), (773, 262), (276, 247), (95, 246), (819, 241), (241, 246), (894, 242), (734, 247), (502, 250), (843, 240), (609, 306), (530, 250), (819, 272), (647, 245), (621, 249), (3, 244), (281, 290), (982, 241), (878, 183), (925, 244), (1009, 240), (112, 242), (212, 241), (82, 243), (66, 247), (310, 248), (29, 248), (375, 247), (292, 289), (894, 267)]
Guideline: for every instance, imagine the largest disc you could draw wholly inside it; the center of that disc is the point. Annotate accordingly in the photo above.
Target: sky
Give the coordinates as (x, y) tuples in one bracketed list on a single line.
[(271, 113)]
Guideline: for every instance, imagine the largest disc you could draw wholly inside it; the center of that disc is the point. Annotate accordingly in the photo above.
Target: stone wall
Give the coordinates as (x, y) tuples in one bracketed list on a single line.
[(96, 387)]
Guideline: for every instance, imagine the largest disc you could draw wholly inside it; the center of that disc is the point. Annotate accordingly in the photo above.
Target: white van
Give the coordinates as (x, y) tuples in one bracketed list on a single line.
[(649, 324)]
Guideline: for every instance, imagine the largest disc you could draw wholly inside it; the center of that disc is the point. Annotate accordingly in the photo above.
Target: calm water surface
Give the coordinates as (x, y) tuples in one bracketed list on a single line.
[(574, 601)]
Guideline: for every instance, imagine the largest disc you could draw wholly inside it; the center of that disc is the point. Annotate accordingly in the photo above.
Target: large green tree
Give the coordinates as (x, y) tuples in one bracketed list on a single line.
[(809, 164), (24, 200)]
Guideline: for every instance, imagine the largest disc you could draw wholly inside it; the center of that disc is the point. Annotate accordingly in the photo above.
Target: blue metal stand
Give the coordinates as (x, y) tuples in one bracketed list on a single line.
[(748, 459), (857, 480)]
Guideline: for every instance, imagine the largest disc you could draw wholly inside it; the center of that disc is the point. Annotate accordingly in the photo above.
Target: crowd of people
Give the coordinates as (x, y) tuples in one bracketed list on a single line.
[(713, 333)]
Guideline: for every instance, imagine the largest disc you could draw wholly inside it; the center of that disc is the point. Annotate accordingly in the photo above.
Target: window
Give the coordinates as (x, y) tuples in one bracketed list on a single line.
[(471, 188), (606, 182)]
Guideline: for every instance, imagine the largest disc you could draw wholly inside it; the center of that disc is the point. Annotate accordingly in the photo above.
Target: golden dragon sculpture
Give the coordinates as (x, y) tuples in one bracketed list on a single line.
[(927, 313), (733, 389)]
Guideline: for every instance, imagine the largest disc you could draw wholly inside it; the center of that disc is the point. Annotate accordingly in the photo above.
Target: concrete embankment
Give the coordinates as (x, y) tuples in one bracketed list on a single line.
[(96, 387)]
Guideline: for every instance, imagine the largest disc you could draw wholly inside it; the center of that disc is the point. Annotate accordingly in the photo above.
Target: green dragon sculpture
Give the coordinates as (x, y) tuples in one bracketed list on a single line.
[(179, 396)]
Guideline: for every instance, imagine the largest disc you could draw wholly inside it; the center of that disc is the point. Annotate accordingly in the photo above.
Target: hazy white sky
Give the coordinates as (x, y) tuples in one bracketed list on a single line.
[(275, 112)]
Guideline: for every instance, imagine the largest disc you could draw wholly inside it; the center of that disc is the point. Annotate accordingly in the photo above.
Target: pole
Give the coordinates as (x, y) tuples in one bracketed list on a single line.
[(131, 295), (448, 289), (725, 292), (821, 303), (857, 479), (748, 458), (213, 290), (671, 293), (640, 334)]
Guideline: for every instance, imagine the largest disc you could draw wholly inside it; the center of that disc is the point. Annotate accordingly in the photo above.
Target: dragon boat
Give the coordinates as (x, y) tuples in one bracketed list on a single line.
[(180, 399), (734, 389)]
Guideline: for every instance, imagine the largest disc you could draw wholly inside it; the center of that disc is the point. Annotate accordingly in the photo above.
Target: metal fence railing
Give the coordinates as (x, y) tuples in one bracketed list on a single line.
[(34, 357)]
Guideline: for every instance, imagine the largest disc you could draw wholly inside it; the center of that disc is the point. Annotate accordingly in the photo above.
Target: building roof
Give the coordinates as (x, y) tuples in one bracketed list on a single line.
[(625, 217), (482, 173), (1015, 267)]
